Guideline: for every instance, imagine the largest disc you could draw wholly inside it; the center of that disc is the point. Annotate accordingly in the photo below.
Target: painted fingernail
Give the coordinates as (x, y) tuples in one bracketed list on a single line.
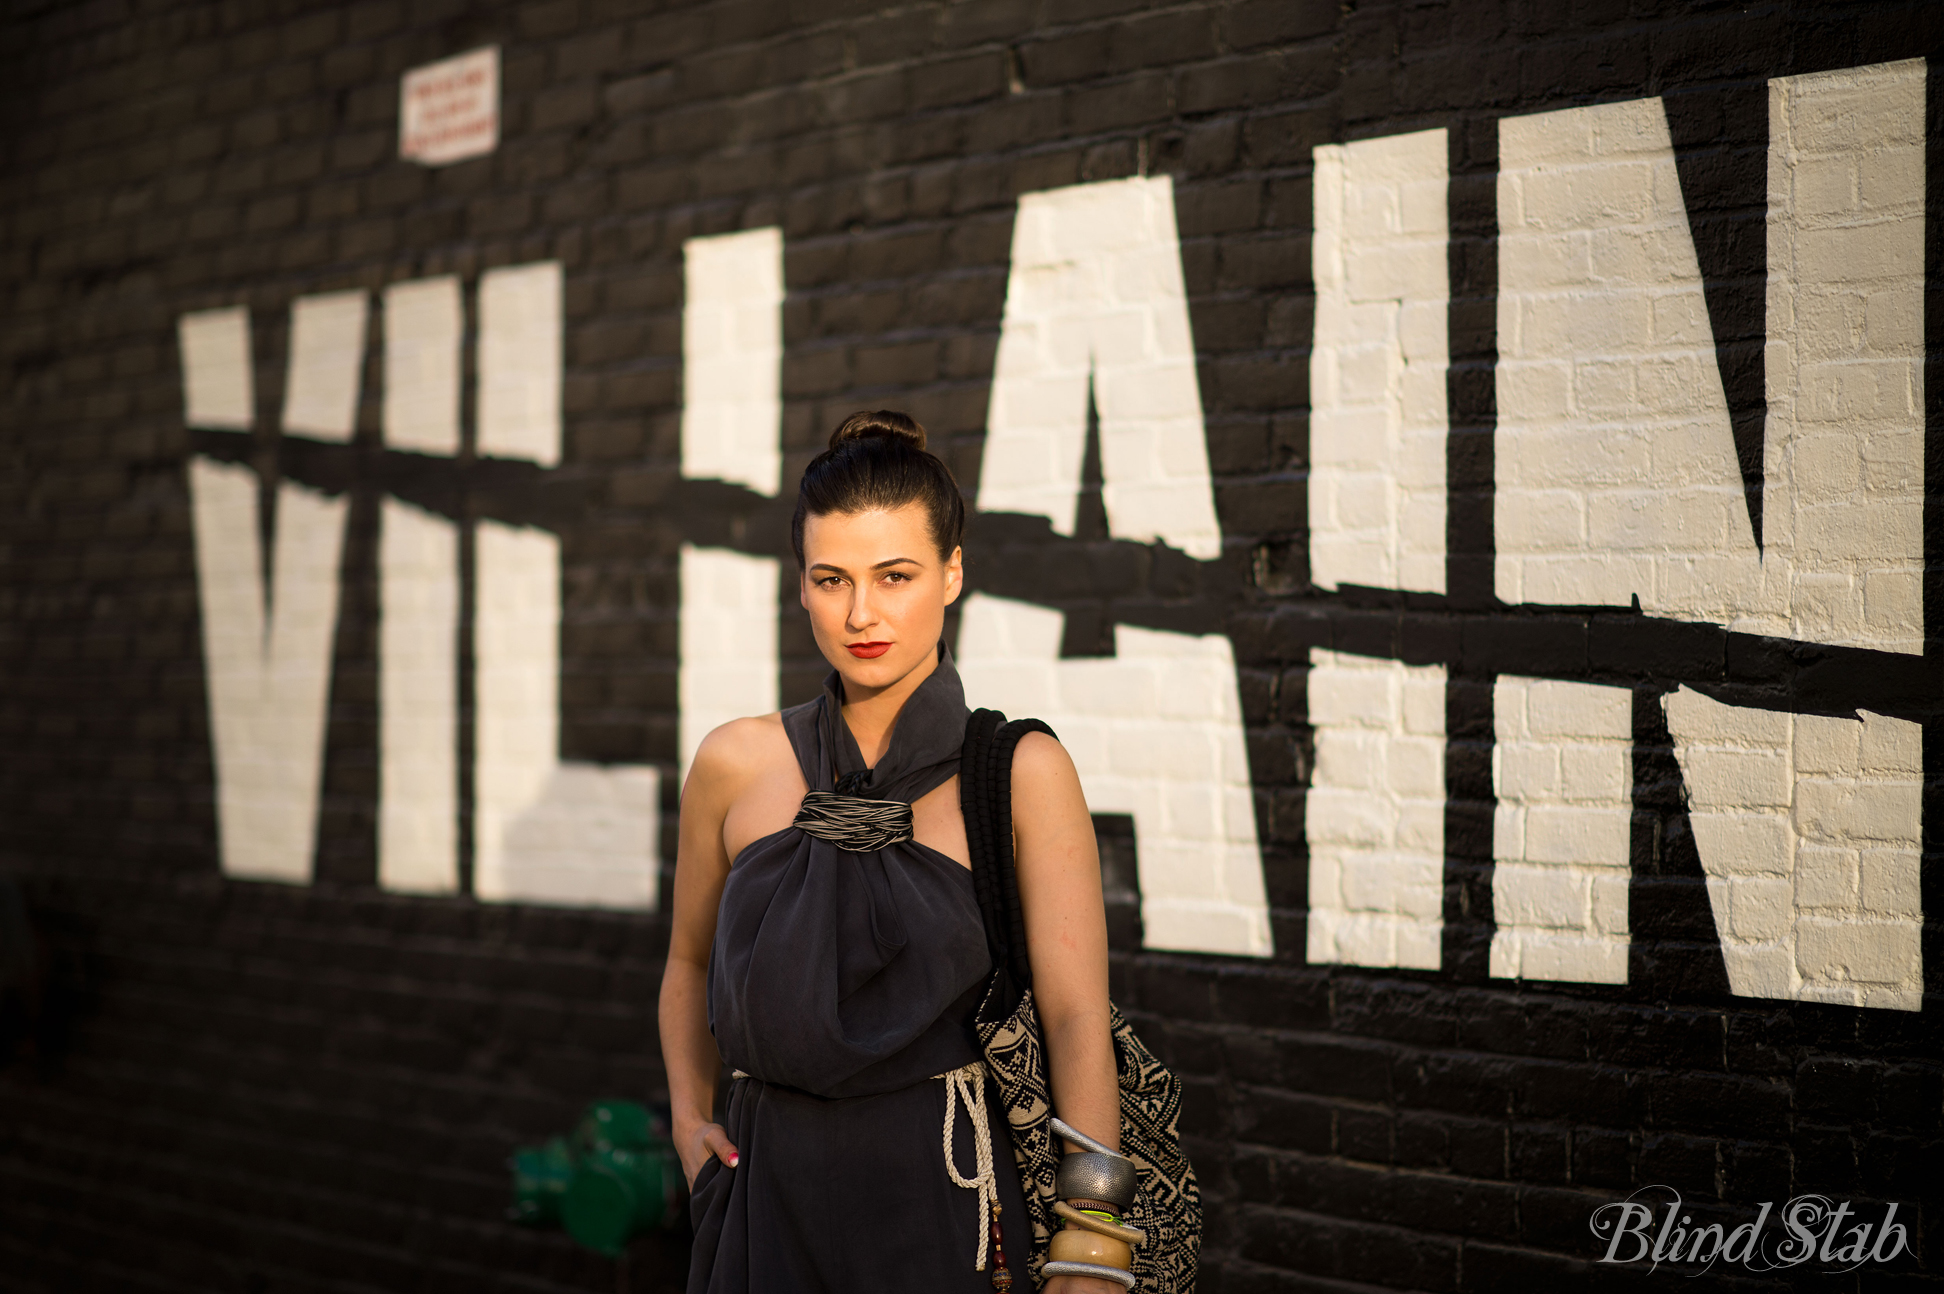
[(734, 1160)]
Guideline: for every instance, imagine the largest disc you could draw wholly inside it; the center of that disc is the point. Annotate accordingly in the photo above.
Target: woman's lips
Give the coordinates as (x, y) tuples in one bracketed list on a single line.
[(867, 651)]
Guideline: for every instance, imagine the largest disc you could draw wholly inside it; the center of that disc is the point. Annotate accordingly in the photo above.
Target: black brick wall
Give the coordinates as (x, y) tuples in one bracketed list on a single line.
[(267, 1088)]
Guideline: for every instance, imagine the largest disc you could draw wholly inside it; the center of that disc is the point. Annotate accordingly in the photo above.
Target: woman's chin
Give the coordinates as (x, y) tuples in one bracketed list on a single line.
[(873, 674)]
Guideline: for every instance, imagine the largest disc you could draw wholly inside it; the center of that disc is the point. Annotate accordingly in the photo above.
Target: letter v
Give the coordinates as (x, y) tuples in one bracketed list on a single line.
[(268, 675), (266, 652)]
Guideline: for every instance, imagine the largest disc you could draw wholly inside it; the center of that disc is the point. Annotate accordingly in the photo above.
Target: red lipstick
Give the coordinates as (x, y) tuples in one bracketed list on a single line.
[(867, 651)]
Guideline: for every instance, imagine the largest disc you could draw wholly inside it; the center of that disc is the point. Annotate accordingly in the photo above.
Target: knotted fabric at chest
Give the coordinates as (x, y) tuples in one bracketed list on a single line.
[(850, 823)]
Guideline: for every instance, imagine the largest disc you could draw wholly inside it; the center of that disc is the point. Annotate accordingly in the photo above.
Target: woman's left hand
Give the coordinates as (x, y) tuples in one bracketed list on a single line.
[(1081, 1285)]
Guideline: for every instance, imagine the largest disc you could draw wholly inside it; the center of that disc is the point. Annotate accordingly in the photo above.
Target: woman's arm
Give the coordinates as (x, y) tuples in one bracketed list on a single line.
[(1066, 934), (1066, 942), (701, 866)]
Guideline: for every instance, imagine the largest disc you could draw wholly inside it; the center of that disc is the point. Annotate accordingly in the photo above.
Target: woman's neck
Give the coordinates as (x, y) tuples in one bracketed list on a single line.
[(872, 714)]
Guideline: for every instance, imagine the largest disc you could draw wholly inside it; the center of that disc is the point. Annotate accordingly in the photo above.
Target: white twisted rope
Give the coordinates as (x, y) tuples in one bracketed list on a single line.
[(968, 1084)]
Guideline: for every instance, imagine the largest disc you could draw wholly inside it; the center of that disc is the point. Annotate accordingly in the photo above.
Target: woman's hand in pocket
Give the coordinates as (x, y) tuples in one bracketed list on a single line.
[(700, 1144)]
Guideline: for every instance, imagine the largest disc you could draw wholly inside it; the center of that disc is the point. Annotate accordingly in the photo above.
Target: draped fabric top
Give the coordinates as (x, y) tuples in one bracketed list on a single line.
[(849, 974)]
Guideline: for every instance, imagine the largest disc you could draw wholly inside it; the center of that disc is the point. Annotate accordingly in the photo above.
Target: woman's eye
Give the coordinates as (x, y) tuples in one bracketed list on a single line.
[(896, 577)]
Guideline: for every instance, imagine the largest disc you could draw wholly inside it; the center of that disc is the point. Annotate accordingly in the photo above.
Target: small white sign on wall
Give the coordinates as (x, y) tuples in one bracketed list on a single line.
[(449, 110)]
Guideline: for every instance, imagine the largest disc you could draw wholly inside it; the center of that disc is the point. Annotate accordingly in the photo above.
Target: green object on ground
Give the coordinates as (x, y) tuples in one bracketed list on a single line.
[(615, 1178), (540, 1177), (620, 1125)]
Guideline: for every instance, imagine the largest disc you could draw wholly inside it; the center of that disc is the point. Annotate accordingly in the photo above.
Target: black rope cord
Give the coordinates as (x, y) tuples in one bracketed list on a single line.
[(854, 825)]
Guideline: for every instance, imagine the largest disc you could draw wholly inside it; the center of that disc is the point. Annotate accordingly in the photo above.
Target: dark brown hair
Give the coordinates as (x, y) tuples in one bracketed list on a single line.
[(878, 461)]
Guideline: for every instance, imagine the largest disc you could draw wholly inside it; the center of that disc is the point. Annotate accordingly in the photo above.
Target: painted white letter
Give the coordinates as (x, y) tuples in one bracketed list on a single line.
[(418, 596), (422, 328), (1617, 470), (544, 830), (327, 346), (1843, 505), (1378, 418), (1562, 771), (269, 675), (1374, 816), (728, 640), (1616, 464), (418, 700), (732, 419), (519, 362), (1096, 294), (732, 359), (1810, 832), (1155, 731), (217, 387)]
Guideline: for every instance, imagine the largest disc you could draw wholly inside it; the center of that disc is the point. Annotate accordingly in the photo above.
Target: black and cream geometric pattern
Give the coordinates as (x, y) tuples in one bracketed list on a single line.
[(1167, 1202)]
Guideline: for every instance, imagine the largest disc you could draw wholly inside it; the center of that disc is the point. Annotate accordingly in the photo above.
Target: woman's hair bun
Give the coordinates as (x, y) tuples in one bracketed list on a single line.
[(878, 461), (887, 424)]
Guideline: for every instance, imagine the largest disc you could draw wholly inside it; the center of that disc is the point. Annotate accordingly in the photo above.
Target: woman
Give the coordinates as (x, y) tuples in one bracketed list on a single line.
[(839, 984)]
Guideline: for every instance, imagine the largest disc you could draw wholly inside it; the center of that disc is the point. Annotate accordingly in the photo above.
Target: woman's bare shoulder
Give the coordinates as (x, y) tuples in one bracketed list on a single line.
[(1040, 755), (740, 752), (1045, 784)]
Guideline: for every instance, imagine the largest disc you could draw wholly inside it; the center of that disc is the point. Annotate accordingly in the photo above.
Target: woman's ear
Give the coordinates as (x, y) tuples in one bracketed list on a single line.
[(803, 588), (954, 576)]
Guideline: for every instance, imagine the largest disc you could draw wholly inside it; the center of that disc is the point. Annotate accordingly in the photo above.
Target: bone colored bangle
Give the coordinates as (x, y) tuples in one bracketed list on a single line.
[(1079, 1245), (1127, 1235), (1123, 1279)]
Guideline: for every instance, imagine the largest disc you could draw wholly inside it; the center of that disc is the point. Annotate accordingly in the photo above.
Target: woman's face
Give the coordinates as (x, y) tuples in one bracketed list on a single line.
[(876, 591)]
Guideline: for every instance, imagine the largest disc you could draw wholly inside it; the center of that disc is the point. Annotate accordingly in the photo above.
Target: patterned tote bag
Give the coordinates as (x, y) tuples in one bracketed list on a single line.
[(1167, 1203)]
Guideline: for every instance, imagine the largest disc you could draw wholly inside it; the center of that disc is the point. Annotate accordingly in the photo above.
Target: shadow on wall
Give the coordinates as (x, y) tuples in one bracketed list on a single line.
[(44, 981)]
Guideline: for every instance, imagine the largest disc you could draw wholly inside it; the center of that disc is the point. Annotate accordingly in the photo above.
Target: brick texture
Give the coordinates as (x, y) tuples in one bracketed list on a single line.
[(278, 1089)]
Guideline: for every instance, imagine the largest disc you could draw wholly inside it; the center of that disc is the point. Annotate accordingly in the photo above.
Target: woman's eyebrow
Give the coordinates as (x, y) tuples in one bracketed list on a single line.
[(889, 561)]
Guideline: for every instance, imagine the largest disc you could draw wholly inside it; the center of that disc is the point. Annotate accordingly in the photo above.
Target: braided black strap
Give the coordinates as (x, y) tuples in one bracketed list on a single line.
[(855, 825), (985, 799)]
